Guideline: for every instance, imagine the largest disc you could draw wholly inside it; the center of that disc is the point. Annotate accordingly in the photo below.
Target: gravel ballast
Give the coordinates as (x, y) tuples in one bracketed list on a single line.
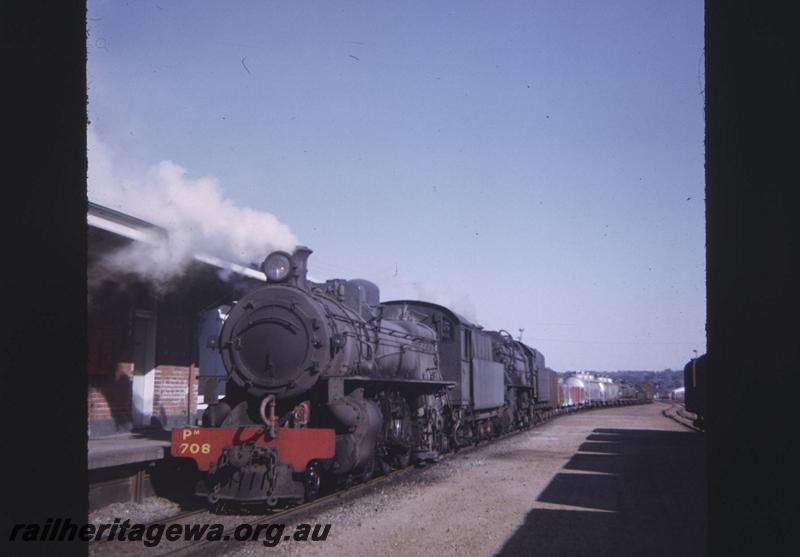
[(497, 498)]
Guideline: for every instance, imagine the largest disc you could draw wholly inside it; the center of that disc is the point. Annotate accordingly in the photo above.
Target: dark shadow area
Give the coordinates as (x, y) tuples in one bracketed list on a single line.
[(116, 390), (612, 447), (603, 437), (599, 463), (175, 479), (642, 492), (153, 433)]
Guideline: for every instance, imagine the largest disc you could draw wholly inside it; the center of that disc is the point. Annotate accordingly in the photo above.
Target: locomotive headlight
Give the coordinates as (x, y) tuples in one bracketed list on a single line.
[(277, 266)]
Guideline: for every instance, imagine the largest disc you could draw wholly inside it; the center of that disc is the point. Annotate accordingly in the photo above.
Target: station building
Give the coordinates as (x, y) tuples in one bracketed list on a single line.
[(147, 368)]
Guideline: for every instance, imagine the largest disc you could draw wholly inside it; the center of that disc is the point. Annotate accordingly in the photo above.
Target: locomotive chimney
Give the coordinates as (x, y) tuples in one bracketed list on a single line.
[(300, 262)]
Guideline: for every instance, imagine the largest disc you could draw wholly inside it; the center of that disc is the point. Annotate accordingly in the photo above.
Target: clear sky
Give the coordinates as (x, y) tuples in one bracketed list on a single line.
[(537, 165)]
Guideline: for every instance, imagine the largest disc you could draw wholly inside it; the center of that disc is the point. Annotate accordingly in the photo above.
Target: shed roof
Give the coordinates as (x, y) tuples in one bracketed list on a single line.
[(139, 230)]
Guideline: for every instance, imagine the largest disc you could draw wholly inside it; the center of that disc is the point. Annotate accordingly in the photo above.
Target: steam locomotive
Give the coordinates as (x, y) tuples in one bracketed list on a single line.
[(328, 384), (695, 379)]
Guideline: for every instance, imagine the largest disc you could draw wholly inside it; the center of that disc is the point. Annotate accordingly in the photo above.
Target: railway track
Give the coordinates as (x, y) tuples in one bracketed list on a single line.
[(285, 516)]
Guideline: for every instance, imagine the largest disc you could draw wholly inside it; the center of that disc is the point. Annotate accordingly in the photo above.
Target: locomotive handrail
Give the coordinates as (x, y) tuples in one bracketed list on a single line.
[(268, 421), (346, 318), (506, 335)]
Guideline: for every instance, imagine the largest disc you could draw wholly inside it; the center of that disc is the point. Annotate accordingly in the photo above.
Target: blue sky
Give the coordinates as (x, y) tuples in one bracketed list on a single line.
[(538, 165)]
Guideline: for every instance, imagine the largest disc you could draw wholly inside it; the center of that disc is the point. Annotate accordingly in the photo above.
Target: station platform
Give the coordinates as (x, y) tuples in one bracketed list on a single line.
[(132, 466), (128, 448)]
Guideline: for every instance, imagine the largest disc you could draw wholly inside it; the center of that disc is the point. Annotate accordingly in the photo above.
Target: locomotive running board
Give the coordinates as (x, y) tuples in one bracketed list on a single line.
[(420, 382), (410, 386)]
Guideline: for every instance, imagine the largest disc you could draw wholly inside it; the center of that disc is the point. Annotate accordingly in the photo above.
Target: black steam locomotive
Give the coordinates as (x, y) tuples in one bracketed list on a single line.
[(695, 380), (328, 385)]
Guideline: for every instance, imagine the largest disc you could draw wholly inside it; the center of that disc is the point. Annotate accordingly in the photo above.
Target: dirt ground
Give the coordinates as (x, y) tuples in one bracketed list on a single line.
[(621, 481)]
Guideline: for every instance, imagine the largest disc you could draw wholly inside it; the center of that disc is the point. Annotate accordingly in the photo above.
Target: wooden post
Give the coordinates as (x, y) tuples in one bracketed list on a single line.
[(191, 400)]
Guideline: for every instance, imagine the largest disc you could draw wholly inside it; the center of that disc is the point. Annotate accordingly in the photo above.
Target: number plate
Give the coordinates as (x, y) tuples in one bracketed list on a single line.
[(295, 446)]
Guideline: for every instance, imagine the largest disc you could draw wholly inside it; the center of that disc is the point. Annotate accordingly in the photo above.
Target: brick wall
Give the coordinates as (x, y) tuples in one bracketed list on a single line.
[(110, 398), (171, 394), (109, 401)]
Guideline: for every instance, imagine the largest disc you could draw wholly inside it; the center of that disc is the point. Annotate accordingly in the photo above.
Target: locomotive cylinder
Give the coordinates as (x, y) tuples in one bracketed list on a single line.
[(363, 420)]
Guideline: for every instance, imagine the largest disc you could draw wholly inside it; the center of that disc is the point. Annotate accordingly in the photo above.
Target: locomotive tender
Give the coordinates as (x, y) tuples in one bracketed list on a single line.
[(325, 382), (494, 375)]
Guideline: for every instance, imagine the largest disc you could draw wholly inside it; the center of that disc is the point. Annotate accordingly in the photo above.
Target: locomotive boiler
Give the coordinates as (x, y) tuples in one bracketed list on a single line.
[(321, 386)]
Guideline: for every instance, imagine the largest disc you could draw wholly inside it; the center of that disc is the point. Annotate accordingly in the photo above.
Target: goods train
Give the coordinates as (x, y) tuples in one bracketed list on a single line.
[(327, 385), (695, 379)]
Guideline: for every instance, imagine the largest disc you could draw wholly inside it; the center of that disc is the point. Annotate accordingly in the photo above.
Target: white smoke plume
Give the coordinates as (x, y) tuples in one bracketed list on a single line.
[(397, 288), (443, 295), (195, 213)]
